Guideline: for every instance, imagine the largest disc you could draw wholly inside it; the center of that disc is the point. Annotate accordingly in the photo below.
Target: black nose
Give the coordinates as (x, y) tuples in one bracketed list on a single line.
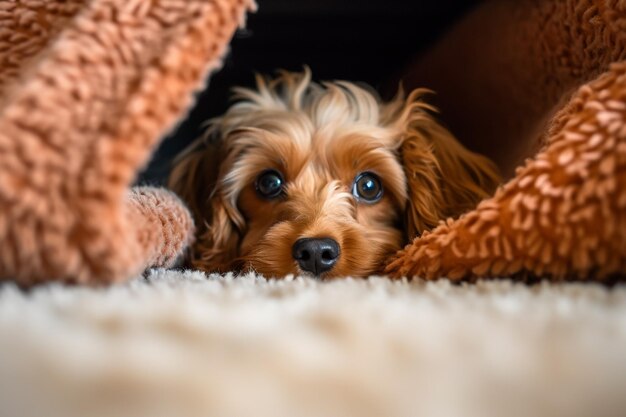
[(316, 255)]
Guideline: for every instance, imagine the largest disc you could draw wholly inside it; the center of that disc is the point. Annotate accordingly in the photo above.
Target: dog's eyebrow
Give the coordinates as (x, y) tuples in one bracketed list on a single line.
[(254, 148), (283, 125), (260, 138)]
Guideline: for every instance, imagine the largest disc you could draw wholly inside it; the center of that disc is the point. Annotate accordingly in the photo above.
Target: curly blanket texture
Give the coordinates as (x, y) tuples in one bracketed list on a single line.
[(535, 74), (87, 88), (184, 344)]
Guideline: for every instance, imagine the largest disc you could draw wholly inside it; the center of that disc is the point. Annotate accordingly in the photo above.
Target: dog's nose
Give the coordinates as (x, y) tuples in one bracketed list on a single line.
[(316, 255)]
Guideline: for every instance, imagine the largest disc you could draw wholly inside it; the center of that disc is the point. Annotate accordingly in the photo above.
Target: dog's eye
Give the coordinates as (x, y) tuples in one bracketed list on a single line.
[(367, 187), (269, 184)]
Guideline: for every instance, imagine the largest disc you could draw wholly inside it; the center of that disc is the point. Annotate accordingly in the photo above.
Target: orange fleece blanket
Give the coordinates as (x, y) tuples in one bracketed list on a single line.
[(548, 75), (87, 88)]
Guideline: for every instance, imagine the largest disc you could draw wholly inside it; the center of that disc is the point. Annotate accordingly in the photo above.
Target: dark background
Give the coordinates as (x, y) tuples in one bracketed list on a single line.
[(365, 41)]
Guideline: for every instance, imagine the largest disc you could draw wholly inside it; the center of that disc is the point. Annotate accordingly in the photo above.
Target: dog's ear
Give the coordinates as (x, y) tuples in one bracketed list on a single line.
[(444, 178), (195, 179), (194, 175)]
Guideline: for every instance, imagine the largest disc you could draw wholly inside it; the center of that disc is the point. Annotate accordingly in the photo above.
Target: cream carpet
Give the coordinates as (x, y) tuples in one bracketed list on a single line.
[(184, 345)]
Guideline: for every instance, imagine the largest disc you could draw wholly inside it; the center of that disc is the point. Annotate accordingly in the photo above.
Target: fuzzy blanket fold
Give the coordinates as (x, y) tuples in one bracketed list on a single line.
[(88, 88), (547, 75)]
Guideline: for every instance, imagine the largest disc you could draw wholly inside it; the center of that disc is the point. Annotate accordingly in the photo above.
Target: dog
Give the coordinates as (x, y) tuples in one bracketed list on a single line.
[(322, 179)]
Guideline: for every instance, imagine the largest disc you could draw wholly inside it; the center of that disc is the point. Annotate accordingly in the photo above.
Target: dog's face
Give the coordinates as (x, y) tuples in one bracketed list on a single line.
[(322, 180), (321, 191)]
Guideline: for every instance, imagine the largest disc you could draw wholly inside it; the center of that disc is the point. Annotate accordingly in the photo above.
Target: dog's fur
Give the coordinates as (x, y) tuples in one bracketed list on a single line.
[(320, 136)]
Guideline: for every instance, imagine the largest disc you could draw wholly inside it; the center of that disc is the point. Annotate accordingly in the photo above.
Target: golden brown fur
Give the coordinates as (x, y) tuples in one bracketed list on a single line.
[(320, 137)]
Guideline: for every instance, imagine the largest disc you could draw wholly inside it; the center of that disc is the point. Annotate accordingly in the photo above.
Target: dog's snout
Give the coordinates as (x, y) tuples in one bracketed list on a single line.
[(316, 255)]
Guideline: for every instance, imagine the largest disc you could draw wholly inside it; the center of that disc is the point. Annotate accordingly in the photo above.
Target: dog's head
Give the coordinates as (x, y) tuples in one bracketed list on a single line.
[(322, 179)]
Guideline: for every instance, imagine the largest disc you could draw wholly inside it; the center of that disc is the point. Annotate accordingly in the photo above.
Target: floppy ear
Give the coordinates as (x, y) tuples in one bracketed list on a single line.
[(195, 179), (444, 178)]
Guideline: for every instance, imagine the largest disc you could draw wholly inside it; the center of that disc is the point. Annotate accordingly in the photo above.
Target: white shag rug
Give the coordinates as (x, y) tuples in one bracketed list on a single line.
[(184, 345)]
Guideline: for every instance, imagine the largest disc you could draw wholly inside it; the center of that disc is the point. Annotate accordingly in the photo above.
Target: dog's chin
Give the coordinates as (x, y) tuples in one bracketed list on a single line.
[(279, 272)]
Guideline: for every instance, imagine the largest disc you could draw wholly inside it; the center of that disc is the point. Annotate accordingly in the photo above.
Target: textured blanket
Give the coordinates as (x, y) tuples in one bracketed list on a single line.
[(544, 80), (87, 89), (184, 344)]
